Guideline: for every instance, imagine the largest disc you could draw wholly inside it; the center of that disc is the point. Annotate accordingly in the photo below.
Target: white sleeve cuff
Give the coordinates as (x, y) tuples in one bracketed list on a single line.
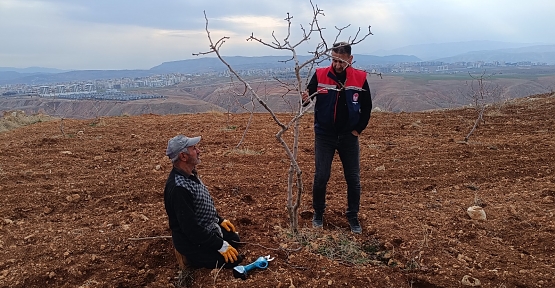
[(225, 245)]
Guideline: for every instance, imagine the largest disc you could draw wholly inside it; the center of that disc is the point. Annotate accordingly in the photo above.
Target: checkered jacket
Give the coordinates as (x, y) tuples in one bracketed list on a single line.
[(192, 215)]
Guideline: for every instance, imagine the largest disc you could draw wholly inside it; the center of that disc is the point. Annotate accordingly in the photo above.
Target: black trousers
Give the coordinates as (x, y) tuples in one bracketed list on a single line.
[(201, 258), (347, 145)]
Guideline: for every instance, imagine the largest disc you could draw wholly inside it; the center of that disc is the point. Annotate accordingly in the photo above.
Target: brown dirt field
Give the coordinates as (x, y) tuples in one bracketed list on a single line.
[(71, 204)]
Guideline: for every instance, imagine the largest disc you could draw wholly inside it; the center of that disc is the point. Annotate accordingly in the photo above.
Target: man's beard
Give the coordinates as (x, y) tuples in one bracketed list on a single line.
[(194, 161)]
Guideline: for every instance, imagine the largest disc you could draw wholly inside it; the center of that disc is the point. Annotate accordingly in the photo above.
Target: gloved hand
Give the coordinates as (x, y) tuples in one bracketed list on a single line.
[(228, 226), (230, 254)]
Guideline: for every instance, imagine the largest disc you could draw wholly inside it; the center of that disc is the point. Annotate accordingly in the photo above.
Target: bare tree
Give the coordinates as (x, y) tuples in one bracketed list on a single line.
[(238, 93), (296, 87), (483, 91)]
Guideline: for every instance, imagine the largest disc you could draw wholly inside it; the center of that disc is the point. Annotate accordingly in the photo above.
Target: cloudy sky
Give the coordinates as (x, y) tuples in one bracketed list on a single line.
[(140, 34)]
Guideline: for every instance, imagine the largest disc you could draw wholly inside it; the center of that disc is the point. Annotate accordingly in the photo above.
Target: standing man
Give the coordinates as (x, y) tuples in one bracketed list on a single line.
[(198, 232), (341, 113)]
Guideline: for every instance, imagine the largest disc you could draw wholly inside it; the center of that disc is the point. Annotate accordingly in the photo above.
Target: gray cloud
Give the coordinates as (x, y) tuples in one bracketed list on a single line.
[(124, 34)]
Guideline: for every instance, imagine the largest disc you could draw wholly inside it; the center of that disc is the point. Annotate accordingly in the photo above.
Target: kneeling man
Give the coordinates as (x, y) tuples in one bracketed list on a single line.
[(198, 232)]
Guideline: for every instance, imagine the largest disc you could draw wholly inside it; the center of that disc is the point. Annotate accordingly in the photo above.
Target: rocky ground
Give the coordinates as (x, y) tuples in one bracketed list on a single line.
[(82, 202)]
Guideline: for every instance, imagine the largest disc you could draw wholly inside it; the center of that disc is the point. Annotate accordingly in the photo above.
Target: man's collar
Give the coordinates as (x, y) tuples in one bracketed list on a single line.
[(182, 172)]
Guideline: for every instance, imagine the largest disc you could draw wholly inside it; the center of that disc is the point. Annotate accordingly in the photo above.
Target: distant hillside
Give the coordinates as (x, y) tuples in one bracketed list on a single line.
[(30, 70), (487, 51), (433, 51), (92, 109), (395, 92), (540, 53), (189, 66), (9, 75), (365, 60), (212, 64), (80, 75)]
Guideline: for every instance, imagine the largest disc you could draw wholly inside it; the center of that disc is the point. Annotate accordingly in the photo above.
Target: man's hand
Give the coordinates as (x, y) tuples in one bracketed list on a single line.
[(355, 132), (228, 226), (305, 96), (230, 254)]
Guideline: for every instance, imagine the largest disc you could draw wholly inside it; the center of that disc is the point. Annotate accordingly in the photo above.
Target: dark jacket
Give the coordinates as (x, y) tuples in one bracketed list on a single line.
[(185, 198), (340, 109)]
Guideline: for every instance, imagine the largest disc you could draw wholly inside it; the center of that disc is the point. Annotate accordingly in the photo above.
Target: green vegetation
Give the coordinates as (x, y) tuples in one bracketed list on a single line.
[(245, 151), (15, 119), (229, 128), (339, 246)]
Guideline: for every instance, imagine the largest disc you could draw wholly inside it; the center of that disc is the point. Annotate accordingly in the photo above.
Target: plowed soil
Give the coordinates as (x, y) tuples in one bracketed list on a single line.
[(84, 208)]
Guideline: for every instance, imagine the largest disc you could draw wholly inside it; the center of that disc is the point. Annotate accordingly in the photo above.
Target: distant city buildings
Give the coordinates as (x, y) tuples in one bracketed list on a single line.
[(113, 89), (108, 89), (438, 67)]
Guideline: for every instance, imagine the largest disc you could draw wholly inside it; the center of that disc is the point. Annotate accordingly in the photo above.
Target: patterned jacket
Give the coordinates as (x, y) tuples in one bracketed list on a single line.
[(192, 215)]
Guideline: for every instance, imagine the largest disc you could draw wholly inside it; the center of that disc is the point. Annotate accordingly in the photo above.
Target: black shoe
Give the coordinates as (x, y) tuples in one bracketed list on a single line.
[(355, 225), (318, 220)]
